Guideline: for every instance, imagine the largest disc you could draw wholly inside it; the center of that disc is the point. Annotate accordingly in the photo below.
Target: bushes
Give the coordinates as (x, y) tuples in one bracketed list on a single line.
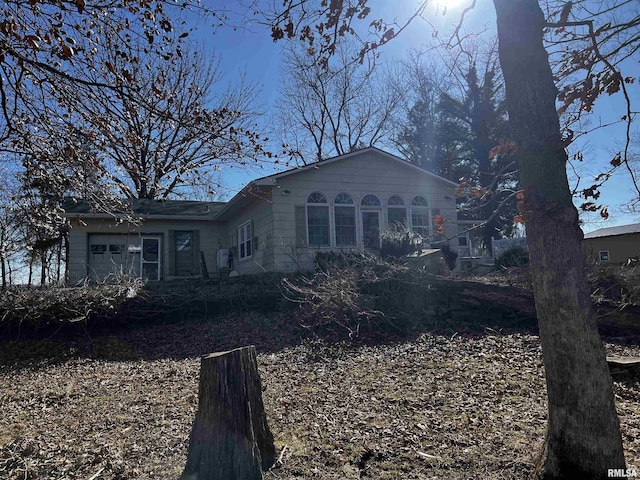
[(41, 307), (513, 257), (334, 298), (398, 241)]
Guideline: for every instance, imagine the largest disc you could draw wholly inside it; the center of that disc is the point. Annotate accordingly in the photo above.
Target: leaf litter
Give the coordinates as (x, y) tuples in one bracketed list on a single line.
[(425, 407)]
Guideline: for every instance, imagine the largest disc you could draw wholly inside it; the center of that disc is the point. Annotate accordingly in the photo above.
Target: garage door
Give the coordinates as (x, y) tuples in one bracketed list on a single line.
[(113, 254)]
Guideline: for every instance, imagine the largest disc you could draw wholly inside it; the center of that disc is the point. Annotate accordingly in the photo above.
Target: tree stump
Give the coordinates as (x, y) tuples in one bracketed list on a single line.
[(230, 438)]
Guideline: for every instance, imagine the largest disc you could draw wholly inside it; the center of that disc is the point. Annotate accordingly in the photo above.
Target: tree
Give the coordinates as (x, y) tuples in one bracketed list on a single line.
[(335, 107), (172, 124), (583, 437), (452, 131)]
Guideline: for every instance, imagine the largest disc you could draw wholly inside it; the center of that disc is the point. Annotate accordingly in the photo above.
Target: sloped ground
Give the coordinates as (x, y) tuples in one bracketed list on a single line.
[(421, 407)]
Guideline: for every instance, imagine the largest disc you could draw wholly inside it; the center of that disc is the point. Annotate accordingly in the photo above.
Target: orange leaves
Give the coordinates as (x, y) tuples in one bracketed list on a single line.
[(438, 222), (504, 148), (522, 217)]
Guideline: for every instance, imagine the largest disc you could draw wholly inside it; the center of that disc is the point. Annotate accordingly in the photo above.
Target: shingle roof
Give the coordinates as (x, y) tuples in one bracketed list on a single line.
[(153, 207), (611, 231)]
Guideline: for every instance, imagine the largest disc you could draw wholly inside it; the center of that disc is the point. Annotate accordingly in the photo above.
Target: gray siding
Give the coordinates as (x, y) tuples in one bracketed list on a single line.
[(358, 176), (260, 213), (210, 237)]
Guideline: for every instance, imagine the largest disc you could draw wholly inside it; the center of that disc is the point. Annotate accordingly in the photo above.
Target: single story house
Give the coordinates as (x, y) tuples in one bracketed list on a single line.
[(613, 244), (275, 223)]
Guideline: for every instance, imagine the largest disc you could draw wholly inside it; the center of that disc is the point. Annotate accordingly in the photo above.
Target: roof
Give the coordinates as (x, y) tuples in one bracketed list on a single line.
[(315, 165), (270, 180), (611, 231), (144, 206)]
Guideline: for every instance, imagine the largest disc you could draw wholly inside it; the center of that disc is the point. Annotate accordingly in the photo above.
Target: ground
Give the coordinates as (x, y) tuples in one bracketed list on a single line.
[(429, 404)]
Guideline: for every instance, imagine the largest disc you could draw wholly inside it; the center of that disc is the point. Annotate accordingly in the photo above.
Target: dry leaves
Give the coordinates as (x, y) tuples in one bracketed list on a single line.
[(421, 408)]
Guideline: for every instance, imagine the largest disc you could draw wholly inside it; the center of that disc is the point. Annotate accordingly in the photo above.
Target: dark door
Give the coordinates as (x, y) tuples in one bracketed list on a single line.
[(184, 254), (371, 229)]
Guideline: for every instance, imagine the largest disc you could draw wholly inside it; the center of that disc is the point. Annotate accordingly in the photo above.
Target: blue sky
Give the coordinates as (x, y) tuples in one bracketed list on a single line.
[(251, 50)]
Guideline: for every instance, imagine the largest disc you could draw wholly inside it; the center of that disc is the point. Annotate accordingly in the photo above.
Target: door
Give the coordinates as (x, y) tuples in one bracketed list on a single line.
[(150, 258), (371, 229), (184, 253), (112, 255)]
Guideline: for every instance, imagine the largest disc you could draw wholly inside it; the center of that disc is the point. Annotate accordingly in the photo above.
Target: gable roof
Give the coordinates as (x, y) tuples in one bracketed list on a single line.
[(255, 188), (612, 231), (147, 207), (270, 179)]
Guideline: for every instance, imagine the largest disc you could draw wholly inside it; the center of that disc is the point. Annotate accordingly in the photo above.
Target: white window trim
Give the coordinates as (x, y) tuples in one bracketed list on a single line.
[(335, 227), (143, 261), (306, 220), (608, 259), (247, 239), (332, 222)]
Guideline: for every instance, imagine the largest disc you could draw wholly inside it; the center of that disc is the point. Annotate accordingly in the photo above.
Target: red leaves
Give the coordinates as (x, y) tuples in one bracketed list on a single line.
[(438, 222), (504, 148)]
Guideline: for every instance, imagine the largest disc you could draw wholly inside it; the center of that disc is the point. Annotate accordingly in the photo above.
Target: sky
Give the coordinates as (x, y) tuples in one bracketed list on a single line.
[(252, 51)]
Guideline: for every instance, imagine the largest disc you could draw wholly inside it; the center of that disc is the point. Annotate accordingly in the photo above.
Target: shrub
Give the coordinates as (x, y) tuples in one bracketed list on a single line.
[(513, 257), (449, 256), (398, 241), (335, 297)]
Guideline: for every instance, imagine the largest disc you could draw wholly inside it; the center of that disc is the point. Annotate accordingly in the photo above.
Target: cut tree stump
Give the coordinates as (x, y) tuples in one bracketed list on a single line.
[(230, 438)]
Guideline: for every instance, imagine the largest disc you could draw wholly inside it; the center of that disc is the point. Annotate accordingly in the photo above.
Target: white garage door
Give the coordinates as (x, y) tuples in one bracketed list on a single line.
[(113, 254)]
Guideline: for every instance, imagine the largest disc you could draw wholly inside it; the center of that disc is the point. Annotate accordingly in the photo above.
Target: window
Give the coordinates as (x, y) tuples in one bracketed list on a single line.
[(396, 211), (370, 201), (244, 240), (317, 220), (116, 249), (420, 216), (98, 249), (604, 256), (183, 241), (345, 220)]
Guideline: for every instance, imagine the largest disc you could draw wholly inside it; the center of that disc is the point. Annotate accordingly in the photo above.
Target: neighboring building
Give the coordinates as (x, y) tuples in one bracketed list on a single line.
[(275, 223), (613, 244)]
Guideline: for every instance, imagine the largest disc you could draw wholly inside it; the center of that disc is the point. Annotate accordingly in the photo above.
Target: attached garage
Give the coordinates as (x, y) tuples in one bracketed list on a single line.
[(171, 239), (111, 255)]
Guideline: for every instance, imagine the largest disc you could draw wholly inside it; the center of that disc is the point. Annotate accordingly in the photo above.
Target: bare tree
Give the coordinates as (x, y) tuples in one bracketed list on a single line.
[(173, 123), (334, 108)]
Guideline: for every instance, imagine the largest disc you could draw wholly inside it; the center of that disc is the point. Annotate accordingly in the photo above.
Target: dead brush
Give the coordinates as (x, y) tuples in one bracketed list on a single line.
[(336, 297)]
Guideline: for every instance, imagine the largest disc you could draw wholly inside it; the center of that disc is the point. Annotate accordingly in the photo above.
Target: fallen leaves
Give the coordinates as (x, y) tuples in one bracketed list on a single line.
[(432, 406)]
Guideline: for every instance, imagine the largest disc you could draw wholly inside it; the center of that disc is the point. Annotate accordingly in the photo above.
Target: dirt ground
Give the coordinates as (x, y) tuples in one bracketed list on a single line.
[(428, 405)]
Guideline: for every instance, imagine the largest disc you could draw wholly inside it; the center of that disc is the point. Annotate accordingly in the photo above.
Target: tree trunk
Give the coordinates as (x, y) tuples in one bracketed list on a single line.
[(230, 438), (583, 435)]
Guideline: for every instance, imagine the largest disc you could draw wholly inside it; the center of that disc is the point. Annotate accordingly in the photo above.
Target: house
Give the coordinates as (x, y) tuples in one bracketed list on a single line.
[(613, 244), (275, 223)]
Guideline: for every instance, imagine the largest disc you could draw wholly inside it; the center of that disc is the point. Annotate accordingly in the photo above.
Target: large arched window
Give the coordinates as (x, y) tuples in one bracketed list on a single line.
[(345, 220), (317, 220), (396, 212), (370, 200), (420, 216)]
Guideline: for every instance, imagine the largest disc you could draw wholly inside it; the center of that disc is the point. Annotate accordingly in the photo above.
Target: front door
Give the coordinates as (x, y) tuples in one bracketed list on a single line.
[(371, 229), (150, 258), (184, 254)]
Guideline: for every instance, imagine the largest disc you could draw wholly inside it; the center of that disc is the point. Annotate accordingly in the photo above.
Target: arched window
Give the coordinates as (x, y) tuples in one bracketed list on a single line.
[(344, 212), (396, 212), (370, 201), (420, 216), (317, 220)]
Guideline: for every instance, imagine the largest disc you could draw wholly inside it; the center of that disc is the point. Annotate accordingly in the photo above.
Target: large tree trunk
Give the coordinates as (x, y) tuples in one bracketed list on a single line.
[(230, 438), (583, 435)]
